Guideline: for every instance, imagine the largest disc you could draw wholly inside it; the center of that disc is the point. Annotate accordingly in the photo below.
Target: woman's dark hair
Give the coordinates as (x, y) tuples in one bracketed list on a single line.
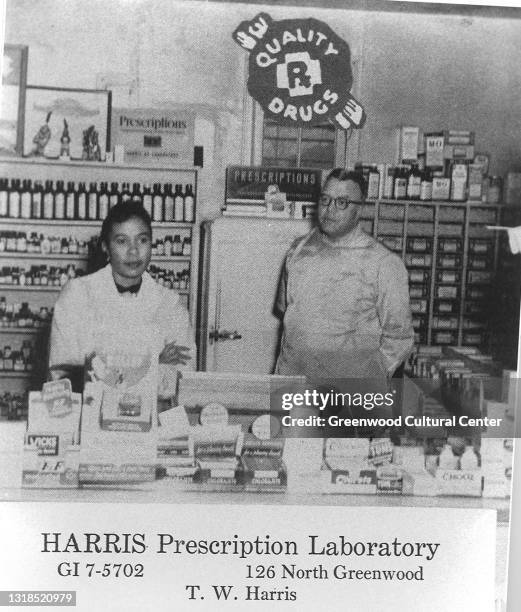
[(117, 214), (123, 212), (341, 174)]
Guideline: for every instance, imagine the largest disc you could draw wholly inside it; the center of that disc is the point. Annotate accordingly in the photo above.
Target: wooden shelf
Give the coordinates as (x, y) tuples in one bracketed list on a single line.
[(40, 256), (79, 163), (14, 374), (46, 288), (29, 331), (87, 223)]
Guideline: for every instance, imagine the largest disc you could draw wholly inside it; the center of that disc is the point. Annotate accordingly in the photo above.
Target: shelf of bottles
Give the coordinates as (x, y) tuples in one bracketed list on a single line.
[(50, 218), (451, 260)]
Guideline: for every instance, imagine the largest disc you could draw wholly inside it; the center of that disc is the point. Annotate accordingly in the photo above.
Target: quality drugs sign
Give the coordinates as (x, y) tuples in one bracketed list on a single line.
[(299, 72)]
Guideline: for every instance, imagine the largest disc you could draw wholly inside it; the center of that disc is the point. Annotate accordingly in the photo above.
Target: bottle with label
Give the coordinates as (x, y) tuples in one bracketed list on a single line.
[(157, 203), (177, 247), (70, 201), (414, 183), (147, 199), (178, 204), (103, 200), (187, 246), (21, 242), (189, 205), (48, 200), (169, 203), (168, 246), (400, 184), (137, 196), (81, 202), (4, 198), (59, 201), (14, 199), (114, 195), (426, 185), (448, 460), (26, 200), (45, 244), (37, 200), (125, 192), (92, 211)]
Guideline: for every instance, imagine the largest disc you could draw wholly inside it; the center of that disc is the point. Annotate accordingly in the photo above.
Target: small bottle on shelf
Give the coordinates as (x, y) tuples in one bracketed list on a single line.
[(400, 184), (4, 198), (103, 201), (70, 201), (187, 246), (14, 199), (179, 204), (81, 202), (59, 201), (125, 192), (426, 185), (414, 183), (137, 196), (157, 203), (189, 205), (177, 247), (114, 195), (92, 211), (37, 201), (48, 201), (26, 199), (147, 199), (169, 203)]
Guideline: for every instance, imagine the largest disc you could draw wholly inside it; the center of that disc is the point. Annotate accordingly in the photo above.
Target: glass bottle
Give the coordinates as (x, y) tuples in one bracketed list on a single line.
[(177, 247), (189, 205), (157, 203), (81, 200), (92, 211), (59, 201), (114, 195), (179, 204), (147, 199), (14, 199), (37, 203), (136, 193), (414, 183), (426, 185), (125, 192), (26, 200), (48, 200), (4, 198), (70, 201), (103, 201), (169, 203), (400, 184)]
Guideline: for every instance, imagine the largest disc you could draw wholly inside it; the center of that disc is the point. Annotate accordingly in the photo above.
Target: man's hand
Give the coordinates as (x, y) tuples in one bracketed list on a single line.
[(175, 354)]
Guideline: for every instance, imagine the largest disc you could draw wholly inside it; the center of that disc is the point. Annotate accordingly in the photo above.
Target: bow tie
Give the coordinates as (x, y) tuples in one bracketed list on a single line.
[(133, 289)]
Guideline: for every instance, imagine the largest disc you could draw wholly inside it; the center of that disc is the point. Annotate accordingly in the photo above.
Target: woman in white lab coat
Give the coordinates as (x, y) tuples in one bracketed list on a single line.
[(120, 308)]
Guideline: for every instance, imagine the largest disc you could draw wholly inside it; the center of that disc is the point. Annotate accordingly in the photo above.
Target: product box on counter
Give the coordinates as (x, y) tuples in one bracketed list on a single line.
[(118, 426), (262, 467), (346, 468), (51, 444)]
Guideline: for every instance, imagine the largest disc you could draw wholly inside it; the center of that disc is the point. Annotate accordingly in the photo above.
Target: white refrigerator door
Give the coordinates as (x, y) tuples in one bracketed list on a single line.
[(242, 265)]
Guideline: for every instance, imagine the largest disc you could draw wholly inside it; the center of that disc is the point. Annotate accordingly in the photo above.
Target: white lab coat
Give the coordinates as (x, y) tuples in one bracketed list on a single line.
[(90, 316)]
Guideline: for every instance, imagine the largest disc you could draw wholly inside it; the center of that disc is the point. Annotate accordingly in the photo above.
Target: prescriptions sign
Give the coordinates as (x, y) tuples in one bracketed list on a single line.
[(299, 72)]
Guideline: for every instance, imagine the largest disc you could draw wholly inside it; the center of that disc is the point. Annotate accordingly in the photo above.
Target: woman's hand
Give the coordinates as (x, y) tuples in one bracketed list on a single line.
[(175, 354)]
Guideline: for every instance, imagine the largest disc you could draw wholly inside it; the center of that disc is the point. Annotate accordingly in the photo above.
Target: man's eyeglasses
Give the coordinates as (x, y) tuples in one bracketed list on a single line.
[(341, 203)]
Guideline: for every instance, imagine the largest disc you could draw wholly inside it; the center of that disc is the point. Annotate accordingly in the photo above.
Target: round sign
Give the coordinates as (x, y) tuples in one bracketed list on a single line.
[(214, 414)]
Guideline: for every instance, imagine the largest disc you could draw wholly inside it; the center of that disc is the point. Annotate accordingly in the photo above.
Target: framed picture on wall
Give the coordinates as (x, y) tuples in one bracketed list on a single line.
[(12, 99), (67, 123)]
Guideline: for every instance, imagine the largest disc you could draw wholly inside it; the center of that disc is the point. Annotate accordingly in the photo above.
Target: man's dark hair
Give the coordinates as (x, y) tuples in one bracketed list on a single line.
[(341, 174), (121, 212)]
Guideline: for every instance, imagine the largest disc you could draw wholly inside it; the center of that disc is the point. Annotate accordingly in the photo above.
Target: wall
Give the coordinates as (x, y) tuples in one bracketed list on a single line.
[(435, 71)]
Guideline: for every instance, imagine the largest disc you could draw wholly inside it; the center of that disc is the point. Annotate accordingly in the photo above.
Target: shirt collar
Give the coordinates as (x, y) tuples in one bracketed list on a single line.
[(356, 239)]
